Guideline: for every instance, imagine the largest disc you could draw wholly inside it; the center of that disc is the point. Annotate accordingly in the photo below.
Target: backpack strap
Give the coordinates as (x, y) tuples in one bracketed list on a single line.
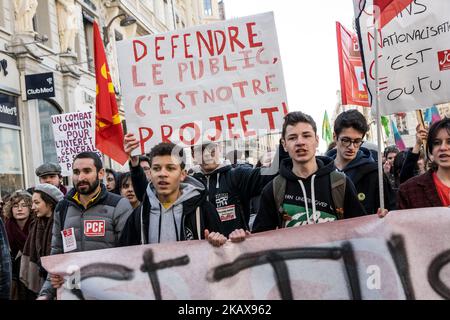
[(338, 183), (279, 190)]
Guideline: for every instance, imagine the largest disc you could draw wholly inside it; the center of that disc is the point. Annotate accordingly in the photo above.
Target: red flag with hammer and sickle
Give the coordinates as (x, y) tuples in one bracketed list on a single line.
[(108, 129)]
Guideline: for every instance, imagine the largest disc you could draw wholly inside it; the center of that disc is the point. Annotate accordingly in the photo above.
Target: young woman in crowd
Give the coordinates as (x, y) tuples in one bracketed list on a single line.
[(18, 217), (431, 189), (38, 244), (112, 181), (127, 190)]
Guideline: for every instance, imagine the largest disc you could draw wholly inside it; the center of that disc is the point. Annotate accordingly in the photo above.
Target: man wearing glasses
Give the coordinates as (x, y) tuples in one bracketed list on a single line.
[(357, 163), (144, 162)]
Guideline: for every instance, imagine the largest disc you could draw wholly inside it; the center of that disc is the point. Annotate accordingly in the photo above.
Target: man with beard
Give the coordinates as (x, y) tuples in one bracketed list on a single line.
[(88, 218)]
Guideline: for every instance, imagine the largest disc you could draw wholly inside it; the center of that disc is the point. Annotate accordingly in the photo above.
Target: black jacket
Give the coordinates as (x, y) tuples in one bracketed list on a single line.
[(209, 219), (268, 217), (5, 265), (409, 168), (233, 188), (363, 171), (229, 189)]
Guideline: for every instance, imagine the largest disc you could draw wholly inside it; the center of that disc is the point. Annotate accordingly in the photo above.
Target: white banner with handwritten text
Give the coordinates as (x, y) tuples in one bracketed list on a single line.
[(403, 256)]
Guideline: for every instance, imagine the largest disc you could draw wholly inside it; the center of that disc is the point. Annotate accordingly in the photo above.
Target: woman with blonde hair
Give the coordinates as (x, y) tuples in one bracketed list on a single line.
[(18, 217)]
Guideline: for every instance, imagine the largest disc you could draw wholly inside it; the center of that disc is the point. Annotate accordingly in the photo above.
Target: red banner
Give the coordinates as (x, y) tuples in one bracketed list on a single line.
[(108, 130), (353, 81), (390, 9)]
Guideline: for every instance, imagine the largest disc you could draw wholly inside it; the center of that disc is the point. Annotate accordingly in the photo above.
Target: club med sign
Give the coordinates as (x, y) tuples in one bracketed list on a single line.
[(40, 85)]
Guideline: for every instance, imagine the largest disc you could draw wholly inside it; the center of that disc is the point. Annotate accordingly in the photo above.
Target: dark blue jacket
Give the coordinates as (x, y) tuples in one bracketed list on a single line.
[(5, 265), (363, 172)]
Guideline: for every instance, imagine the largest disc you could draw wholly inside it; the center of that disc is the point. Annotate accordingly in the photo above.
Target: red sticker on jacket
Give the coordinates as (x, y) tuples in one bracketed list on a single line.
[(94, 228)]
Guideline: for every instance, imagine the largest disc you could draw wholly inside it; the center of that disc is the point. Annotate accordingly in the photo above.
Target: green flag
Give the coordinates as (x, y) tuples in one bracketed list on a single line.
[(385, 124), (326, 129)]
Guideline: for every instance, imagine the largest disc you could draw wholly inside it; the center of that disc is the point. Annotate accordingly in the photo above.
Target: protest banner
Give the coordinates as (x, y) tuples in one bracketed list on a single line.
[(413, 52), (353, 82), (73, 133), (213, 82), (403, 256)]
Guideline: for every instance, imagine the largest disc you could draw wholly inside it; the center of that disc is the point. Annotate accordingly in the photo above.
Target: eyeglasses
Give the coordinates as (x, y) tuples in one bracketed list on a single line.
[(346, 142), (20, 205)]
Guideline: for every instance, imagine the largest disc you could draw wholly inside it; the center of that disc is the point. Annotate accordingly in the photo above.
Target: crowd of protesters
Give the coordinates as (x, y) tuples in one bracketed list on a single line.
[(160, 201)]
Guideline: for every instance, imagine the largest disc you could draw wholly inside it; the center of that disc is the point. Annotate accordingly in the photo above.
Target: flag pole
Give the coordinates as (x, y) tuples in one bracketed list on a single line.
[(378, 114)]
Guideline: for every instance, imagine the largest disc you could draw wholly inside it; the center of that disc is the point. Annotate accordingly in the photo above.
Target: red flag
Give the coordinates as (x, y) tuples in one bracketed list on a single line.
[(108, 129), (390, 9), (353, 81)]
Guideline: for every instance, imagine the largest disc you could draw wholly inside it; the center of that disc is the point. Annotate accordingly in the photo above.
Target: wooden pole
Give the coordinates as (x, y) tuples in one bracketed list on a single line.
[(378, 119)]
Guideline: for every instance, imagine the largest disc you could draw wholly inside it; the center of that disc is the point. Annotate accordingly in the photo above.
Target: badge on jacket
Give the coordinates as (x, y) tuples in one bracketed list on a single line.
[(94, 228), (221, 200), (227, 213), (69, 240)]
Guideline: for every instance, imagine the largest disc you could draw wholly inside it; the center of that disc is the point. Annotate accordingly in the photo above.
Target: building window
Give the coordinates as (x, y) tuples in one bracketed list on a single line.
[(11, 169), (46, 110), (35, 24), (2, 14), (89, 42), (207, 7), (42, 21)]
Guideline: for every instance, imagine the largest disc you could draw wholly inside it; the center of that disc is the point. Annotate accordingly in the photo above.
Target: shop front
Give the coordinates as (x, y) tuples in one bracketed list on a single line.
[(12, 176)]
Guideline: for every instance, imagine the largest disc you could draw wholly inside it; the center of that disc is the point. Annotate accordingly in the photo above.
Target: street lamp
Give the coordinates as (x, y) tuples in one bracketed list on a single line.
[(126, 21)]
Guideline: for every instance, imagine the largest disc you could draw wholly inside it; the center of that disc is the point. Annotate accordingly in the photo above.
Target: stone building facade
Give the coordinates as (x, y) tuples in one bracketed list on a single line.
[(55, 38)]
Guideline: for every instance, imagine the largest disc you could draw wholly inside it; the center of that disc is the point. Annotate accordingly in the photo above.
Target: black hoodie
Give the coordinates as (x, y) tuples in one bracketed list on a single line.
[(294, 199), (363, 171)]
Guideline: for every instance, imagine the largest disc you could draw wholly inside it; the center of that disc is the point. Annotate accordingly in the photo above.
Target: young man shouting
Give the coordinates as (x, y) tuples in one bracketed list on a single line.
[(175, 207), (303, 194)]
